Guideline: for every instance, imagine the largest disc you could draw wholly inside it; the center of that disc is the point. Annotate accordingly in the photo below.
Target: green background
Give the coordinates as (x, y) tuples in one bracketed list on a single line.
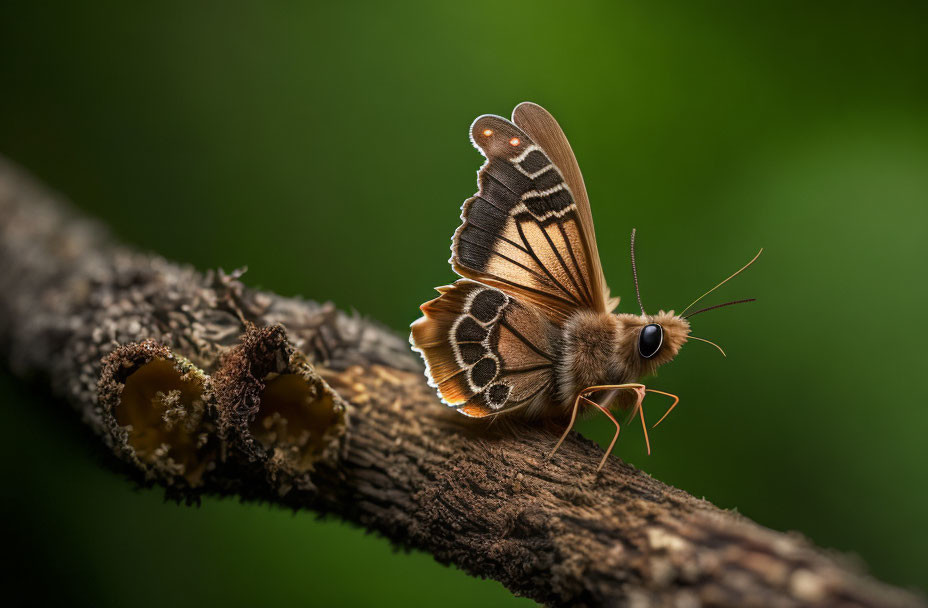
[(326, 148)]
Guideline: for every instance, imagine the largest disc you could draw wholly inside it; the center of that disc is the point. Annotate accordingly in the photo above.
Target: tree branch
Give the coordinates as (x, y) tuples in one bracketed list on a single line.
[(201, 385)]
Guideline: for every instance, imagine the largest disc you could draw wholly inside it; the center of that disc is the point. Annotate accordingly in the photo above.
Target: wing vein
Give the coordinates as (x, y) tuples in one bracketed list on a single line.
[(480, 196), (570, 275), (570, 250), (531, 252), (525, 370), (497, 236), (507, 258), (525, 340), (519, 404), (489, 175), (518, 286), (535, 394)]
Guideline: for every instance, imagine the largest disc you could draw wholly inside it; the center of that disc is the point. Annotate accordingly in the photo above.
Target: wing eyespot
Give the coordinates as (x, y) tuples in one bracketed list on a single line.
[(515, 141), (487, 305), (505, 370), (483, 372), (468, 330), (470, 352), (496, 395)]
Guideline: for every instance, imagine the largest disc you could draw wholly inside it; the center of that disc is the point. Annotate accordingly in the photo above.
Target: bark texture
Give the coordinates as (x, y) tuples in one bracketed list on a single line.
[(201, 385)]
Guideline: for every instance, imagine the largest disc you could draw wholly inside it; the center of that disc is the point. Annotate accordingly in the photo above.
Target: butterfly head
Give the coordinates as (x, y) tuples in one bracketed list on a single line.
[(649, 341)]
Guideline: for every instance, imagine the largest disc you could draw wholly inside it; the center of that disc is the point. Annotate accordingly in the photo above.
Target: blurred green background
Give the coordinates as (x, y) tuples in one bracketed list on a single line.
[(326, 148)]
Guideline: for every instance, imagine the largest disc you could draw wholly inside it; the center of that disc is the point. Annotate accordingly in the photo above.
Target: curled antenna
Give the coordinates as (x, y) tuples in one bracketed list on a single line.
[(740, 270), (635, 274), (692, 314)]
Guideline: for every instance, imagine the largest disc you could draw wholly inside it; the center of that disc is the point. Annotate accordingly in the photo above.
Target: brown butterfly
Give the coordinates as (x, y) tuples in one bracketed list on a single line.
[(530, 329)]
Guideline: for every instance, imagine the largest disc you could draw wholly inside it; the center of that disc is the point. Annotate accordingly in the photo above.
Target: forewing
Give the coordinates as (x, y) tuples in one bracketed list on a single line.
[(485, 350), (544, 130), (523, 231)]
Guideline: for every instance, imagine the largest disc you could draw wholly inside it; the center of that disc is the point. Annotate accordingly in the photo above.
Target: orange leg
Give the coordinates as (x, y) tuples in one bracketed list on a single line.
[(615, 437), (639, 410), (644, 427), (676, 400), (582, 395), (573, 418)]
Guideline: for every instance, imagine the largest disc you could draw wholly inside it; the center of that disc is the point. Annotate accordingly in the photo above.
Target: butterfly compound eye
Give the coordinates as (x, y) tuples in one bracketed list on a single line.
[(650, 340)]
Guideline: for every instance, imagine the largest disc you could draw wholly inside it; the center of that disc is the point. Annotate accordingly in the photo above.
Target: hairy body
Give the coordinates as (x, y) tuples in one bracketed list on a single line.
[(601, 348)]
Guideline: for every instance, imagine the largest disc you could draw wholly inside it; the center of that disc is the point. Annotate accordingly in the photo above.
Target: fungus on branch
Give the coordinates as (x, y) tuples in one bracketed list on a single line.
[(155, 410), (274, 409)]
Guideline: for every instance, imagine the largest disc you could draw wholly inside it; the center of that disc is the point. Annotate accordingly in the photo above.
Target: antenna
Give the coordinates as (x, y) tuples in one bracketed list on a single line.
[(719, 306), (709, 342), (635, 275), (740, 270)]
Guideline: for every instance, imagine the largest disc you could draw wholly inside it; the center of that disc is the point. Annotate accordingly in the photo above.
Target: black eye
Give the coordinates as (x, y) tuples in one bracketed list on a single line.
[(650, 340)]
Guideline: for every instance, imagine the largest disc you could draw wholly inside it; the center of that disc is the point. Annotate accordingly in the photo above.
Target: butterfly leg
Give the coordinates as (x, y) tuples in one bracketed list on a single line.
[(615, 437), (570, 425), (676, 400), (640, 390), (639, 409), (582, 396)]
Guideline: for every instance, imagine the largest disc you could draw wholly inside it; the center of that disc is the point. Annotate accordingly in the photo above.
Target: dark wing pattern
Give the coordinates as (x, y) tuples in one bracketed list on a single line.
[(546, 133), (485, 351), (523, 231)]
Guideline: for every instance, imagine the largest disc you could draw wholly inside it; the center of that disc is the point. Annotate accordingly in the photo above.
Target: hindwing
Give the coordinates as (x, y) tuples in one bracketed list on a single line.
[(485, 350)]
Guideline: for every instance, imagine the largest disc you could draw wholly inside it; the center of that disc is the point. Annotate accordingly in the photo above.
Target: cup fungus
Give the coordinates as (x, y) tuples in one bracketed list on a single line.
[(275, 409), (295, 419), (154, 406)]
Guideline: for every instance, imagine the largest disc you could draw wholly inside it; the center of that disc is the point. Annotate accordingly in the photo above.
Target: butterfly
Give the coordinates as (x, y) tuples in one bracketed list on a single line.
[(531, 329)]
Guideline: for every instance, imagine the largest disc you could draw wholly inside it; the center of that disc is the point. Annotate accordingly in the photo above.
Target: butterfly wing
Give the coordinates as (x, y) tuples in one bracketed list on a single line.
[(547, 133), (485, 350), (524, 231)]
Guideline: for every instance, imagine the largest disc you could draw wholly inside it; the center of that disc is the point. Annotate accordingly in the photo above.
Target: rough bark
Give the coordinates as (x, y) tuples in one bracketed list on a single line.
[(366, 440)]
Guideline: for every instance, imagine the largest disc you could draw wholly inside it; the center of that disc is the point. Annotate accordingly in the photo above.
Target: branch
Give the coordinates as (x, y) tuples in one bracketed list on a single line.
[(200, 385)]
